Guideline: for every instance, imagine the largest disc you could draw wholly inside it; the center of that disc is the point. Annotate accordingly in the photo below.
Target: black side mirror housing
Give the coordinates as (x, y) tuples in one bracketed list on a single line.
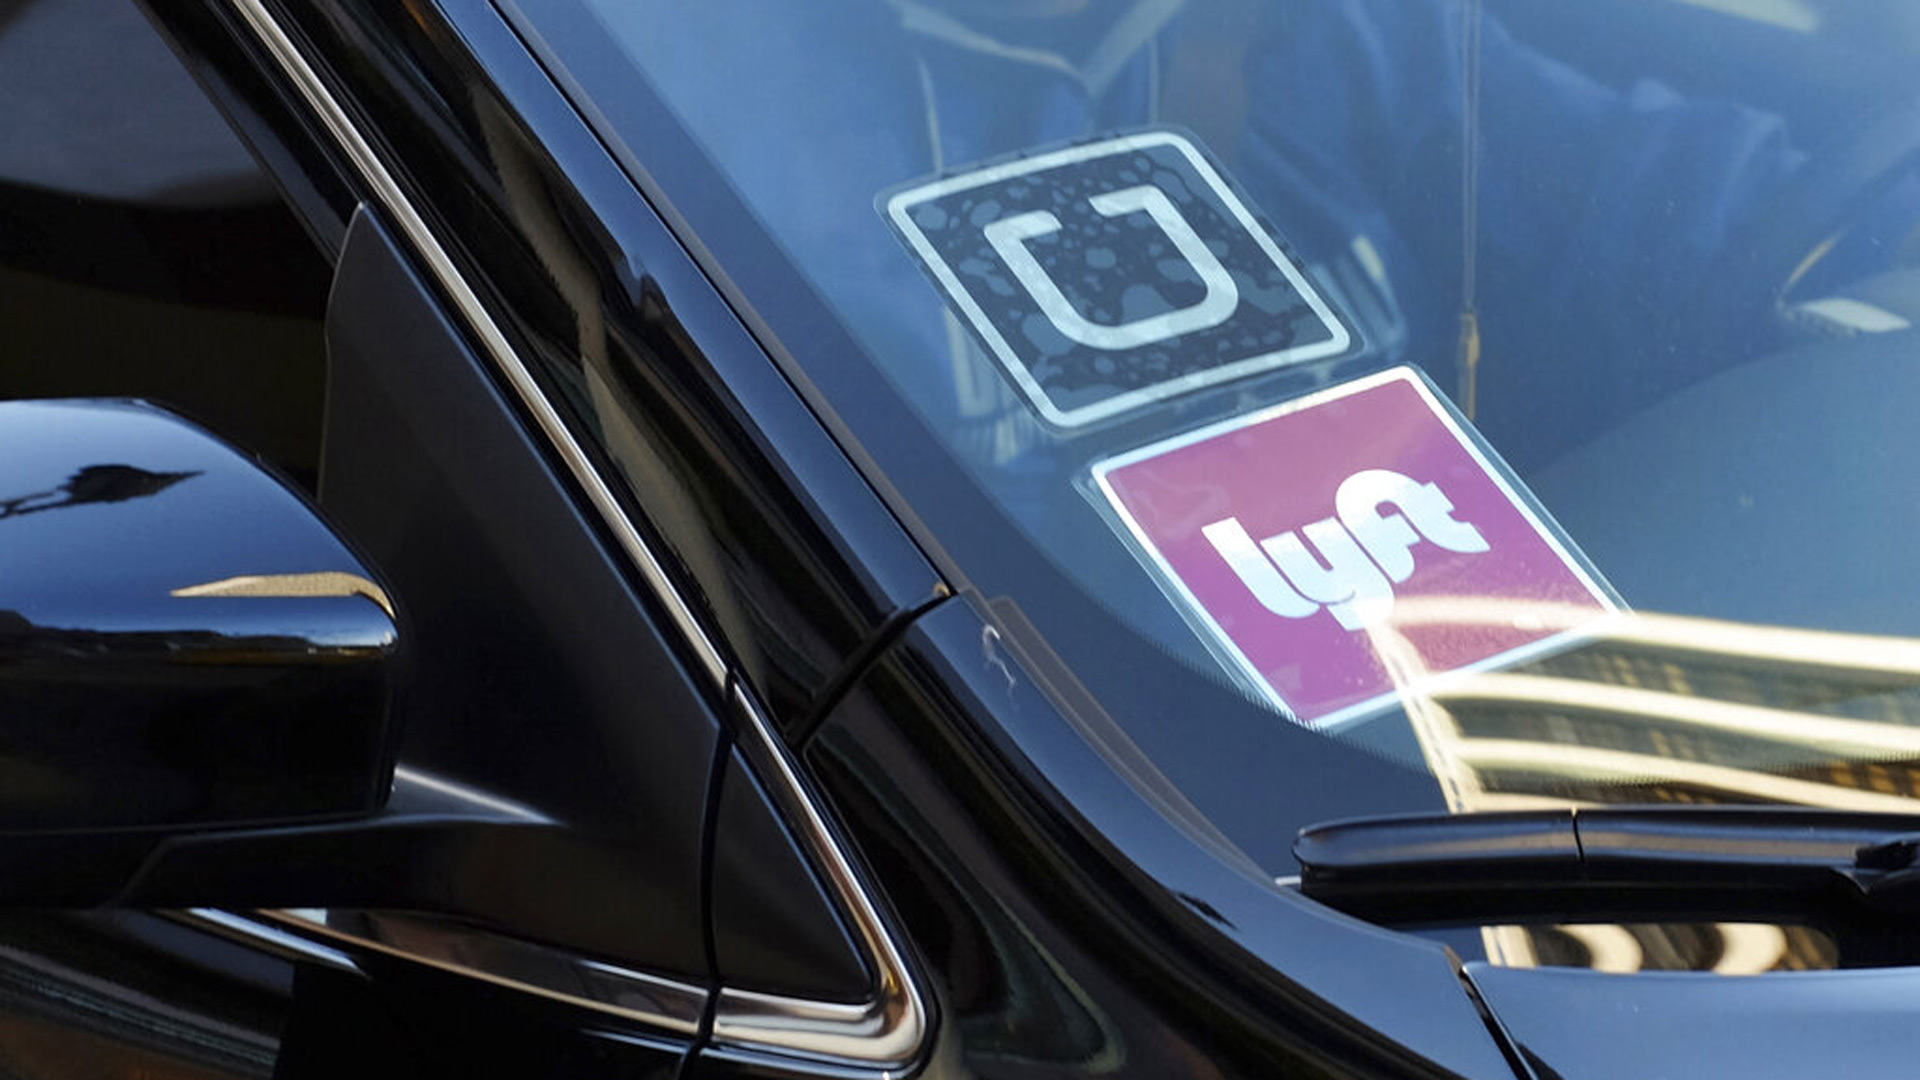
[(184, 643), (196, 677)]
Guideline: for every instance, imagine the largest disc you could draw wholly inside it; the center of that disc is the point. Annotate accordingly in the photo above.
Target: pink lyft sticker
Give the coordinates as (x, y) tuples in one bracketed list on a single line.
[(1347, 546)]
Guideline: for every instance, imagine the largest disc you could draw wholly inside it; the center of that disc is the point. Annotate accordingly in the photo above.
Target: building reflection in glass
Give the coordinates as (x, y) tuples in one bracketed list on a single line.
[(1722, 948), (1650, 708)]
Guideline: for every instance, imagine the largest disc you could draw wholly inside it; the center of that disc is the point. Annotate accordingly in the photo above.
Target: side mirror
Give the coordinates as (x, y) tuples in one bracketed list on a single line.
[(195, 677), (184, 644)]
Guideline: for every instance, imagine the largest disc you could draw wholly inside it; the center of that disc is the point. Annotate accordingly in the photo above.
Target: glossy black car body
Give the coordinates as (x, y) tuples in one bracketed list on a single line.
[(811, 804)]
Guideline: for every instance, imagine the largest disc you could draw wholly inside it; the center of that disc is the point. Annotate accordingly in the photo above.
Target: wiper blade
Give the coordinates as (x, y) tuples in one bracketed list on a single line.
[(1635, 864)]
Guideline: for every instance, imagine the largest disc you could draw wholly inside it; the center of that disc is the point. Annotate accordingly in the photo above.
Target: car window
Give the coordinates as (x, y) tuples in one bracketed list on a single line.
[(1516, 392)]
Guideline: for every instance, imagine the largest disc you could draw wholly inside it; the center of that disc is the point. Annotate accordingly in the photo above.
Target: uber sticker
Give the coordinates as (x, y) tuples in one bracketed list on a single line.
[(1349, 545), (1107, 276)]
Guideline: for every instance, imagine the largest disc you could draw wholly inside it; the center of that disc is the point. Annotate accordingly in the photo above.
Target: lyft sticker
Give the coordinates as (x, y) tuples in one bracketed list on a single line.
[(1344, 548), (1111, 275)]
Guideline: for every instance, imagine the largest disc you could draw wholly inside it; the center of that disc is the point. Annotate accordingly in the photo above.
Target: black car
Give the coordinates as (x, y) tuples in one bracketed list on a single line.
[(1004, 538)]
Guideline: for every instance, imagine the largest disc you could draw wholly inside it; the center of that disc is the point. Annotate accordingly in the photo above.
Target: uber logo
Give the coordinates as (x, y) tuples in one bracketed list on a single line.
[(1111, 275)]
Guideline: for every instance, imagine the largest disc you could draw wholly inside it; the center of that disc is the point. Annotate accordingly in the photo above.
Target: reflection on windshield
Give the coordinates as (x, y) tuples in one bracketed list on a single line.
[(1652, 265), (1663, 709), (1721, 948)]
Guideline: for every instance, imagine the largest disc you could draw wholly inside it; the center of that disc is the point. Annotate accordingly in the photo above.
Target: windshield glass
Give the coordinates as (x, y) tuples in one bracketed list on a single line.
[(1511, 395)]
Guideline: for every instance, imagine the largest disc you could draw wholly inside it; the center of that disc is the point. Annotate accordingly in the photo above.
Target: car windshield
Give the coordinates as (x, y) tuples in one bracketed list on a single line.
[(1363, 404)]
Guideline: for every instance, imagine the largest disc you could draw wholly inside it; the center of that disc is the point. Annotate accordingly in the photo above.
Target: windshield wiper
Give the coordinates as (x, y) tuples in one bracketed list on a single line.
[(1638, 864)]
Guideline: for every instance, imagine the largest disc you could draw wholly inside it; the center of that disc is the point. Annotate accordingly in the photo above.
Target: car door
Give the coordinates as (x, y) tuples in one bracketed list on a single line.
[(557, 670)]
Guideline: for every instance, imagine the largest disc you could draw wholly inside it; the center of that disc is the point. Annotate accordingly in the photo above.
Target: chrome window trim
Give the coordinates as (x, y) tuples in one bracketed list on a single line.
[(887, 1034), (887, 1031), (256, 932), (655, 1001), (394, 202)]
